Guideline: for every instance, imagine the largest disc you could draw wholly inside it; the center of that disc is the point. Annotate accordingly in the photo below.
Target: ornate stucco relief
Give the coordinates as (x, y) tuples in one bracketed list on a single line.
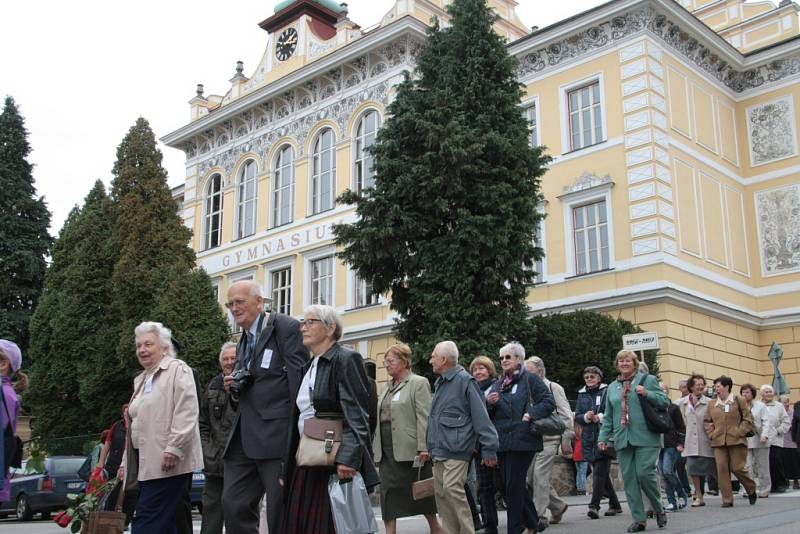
[(771, 131), (648, 20), (778, 213)]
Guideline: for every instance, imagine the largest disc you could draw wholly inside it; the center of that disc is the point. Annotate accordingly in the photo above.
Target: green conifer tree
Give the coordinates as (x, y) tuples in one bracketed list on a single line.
[(449, 227), (74, 332), (153, 277), (24, 240)]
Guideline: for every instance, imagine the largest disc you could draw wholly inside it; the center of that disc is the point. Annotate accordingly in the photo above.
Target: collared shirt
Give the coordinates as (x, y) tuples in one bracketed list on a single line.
[(304, 405), (729, 400)]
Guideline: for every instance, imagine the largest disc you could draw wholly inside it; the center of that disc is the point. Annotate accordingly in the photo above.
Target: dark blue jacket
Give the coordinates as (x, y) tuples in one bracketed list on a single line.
[(507, 412), (593, 400)]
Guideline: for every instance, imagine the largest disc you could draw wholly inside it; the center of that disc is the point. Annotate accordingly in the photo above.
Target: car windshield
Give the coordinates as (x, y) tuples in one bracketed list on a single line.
[(65, 466)]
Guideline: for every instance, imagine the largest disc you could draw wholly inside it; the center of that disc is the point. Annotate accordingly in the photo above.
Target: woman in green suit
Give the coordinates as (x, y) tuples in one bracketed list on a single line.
[(403, 408), (637, 448)]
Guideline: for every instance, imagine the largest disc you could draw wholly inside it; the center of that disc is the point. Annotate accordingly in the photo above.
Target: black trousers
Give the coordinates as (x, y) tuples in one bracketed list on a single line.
[(183, 514), (486, 492), (602, 485), (212, 506), (520, 511), (158, 504), (777, 474)]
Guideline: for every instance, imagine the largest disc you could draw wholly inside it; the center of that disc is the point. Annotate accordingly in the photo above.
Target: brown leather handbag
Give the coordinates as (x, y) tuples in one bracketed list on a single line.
[(422, 489), (319, 443)]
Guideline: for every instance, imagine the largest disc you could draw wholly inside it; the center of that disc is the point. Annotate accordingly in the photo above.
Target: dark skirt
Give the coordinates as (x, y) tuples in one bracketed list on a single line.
[(396, 481), (308, 510), (791, 463)]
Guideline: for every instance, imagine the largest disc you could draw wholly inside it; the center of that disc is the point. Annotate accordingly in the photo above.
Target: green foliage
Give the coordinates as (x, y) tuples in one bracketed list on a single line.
[(449, 227), (24, 240), (117, 262), (570, 342)]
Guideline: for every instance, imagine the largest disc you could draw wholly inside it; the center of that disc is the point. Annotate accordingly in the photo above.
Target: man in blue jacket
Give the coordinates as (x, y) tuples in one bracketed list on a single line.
[(458, 419)]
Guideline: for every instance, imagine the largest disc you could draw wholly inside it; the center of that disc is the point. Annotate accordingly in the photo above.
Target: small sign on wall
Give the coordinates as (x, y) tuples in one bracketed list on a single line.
[(643, 341)]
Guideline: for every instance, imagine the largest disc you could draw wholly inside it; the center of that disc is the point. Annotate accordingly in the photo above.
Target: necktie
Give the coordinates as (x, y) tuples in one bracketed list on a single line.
[(251, 347)]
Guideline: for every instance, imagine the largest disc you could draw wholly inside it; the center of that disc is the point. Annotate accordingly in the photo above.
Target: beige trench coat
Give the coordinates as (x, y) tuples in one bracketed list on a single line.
[(164, 419), (697, 442)]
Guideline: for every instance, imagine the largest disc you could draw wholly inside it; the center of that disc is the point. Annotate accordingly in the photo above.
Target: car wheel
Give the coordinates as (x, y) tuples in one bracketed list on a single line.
[(24, 512)]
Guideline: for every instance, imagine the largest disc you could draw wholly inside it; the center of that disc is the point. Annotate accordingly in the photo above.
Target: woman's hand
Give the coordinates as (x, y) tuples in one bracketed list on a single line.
[(764, 440), (493, 397), (168, 462), (121, 473), (424, 456), (601, 445), (345, 472), (641, 391), (526, 417)]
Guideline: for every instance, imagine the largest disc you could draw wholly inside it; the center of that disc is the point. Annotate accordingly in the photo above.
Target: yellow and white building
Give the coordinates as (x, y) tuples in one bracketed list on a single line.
[(673, 199)]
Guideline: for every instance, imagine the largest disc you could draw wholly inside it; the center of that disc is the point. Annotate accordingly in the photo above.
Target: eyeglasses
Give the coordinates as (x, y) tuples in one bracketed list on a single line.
[(309, 322), (389, 361), (588, 377), (237, 302), (506, 357)]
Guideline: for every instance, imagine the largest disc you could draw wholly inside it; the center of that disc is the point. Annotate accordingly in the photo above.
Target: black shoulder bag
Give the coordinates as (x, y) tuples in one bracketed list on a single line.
[(657, 419), (12, 443)]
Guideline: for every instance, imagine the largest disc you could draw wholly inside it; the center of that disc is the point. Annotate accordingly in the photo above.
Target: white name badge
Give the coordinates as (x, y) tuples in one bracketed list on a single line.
[(148, 384), (396, 397), (266, 359), (597, 401), (514, 389), (727, 408)]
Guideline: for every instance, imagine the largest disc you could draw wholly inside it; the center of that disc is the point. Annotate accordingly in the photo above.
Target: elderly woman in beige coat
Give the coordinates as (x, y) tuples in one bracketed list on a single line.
[(164, 440), (697, 449), (403, 408)]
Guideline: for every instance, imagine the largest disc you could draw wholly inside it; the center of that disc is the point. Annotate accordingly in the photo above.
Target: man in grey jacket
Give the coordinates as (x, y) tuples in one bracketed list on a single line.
[(458, 419)]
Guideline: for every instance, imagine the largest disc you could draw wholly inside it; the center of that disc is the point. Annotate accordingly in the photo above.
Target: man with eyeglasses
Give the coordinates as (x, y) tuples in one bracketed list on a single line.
[(271, 350)]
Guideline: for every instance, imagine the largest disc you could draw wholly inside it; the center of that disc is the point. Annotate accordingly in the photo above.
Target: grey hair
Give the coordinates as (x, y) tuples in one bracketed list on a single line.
[(643, 368), (254, 290), (163, 333), (514, 349), (536, 362), (784, 398), (329, 317), (765, 387), (449, 350), (226, 346)]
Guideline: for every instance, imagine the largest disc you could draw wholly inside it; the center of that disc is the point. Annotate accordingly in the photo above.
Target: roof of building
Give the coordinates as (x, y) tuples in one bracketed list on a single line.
[(330, 4)]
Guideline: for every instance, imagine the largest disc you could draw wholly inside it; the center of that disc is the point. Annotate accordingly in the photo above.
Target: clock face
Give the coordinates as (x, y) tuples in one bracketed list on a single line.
[(286, 45)]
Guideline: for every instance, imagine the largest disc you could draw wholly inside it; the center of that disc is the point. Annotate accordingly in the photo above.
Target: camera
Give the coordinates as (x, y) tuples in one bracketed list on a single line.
[(242, 378)]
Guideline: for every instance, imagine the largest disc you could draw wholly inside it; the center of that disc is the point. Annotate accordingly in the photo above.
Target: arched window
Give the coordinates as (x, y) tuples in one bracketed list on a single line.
[(365, 138), (213, 220), (246, 206), (283, 187), (323, 177)]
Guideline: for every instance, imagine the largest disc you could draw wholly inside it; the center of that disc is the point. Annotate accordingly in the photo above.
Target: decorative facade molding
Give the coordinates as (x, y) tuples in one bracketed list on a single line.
[(778, 216), (648, 21), (771, 131), (586, 181)]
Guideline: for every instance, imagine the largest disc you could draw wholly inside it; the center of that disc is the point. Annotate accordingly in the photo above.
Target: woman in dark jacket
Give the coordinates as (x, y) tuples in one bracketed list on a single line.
[(483, 371), (668, 458), (511, 411), (334, 386), (589, 415)]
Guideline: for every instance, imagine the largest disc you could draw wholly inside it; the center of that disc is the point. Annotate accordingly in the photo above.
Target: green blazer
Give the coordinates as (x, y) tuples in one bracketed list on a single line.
[(411, 402), (636, 433)]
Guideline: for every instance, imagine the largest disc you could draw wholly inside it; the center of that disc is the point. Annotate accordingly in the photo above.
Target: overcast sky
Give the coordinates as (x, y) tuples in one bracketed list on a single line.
[(83, 71)]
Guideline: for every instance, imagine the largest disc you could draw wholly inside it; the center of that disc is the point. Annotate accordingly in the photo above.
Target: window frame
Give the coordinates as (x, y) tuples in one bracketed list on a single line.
[(566, 131), (269, 288), (240, 232), (579, 199), (277, 170), (535, 118), (208, 215), (315, 202), (359, 157)]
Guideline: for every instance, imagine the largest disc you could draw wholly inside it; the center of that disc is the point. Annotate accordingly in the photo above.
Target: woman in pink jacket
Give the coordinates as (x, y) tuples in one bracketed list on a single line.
[(163, 446), (10, 361)]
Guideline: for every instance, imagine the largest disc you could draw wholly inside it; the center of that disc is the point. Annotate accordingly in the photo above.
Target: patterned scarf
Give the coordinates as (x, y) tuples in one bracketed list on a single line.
[(510, 378), (626, 390)]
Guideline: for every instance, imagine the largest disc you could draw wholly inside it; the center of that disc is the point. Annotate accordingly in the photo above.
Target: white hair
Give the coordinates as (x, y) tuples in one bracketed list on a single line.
[(784, 398), (226, 346), (163, 334), (329, 317), (254, 290), (765, 387), (537, 362), (448, 350), (514, 349)]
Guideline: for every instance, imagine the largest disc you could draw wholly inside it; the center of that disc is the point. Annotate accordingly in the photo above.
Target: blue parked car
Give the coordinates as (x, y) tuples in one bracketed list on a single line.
[(33, 492)]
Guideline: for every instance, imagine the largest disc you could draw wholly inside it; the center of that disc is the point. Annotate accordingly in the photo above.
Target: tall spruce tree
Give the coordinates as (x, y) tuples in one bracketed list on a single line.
[(154, 274), (74, 332), (24, 219), (449, 227)]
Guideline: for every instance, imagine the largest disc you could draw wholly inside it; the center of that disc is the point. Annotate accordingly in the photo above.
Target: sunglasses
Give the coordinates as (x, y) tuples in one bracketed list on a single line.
[(506, 357)]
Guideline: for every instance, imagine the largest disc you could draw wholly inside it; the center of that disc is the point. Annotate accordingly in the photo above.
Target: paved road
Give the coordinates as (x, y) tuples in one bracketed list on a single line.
[(776, 515)]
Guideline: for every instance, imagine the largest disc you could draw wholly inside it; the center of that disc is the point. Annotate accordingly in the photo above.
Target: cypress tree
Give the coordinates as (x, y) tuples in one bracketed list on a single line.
[(153, 278), (24, 239), (73, 390), (449, 227)]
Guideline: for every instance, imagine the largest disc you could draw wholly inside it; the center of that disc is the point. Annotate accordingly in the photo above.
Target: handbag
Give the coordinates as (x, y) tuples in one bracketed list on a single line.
[(422, 488), (106, 522), (552, 425), (657, 419), (319, 443)]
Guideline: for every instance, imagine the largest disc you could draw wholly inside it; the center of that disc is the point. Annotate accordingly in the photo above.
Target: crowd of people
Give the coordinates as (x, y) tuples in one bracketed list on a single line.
[(293, 412)]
